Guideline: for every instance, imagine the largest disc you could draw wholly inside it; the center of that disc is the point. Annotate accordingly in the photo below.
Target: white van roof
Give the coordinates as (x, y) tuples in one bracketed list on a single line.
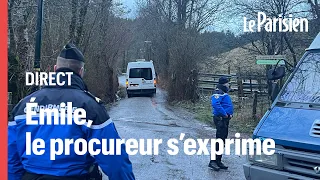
[(141, 64), (315, 44)]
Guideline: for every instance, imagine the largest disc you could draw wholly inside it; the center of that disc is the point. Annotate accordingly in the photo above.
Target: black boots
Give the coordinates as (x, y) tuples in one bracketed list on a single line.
[(213, 165), (217, 165), (221, 165)]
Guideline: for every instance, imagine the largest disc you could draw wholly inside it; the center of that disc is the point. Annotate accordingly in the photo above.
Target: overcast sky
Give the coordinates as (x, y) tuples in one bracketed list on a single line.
[(232, 24), (130, 5), (223, 23)]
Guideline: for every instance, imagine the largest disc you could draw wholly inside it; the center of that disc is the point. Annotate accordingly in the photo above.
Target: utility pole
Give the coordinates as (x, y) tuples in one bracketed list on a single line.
[(37, 56), (148, 50)]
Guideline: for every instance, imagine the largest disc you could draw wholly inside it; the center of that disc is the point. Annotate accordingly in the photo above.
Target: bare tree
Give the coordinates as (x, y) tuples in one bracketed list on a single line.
[(108, 37), (91, 24), (272, 43), (174, 28), (315, 10), (82, 14), (12, 43), (73, 24), (21, 25), (315, 6)]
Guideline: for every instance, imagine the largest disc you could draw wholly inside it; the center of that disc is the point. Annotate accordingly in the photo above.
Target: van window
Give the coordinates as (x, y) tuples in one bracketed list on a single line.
[(145, 73), (304, 87)]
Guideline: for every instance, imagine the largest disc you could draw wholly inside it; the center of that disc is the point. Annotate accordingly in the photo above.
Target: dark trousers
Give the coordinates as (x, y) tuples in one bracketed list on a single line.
[(32, 176), (222, 126), (95, 174)]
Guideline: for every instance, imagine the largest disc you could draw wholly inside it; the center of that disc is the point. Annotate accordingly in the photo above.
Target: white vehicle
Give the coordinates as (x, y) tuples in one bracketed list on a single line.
[(140, 78)]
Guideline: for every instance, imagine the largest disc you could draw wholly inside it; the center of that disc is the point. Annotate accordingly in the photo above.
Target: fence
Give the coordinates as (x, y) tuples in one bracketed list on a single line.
[(245, 85), (249, 91)]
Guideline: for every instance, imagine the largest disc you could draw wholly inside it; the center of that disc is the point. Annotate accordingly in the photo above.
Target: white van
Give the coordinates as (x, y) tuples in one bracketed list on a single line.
[(141, 78)]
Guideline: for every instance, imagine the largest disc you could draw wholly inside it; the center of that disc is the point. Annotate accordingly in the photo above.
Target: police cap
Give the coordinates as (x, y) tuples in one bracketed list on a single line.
[(70, 51), (223, 80)]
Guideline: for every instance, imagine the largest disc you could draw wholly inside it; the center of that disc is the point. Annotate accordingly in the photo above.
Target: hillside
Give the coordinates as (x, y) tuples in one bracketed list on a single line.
[(240, 57), (244, 58)]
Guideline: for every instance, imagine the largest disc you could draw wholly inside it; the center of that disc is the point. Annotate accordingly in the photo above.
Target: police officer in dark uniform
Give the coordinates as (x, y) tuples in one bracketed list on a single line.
[(71, 166), (222, 113)]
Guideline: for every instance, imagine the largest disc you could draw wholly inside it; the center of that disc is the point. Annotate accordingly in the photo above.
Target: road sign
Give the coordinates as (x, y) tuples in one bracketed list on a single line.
[(270, 62), (271, 59)]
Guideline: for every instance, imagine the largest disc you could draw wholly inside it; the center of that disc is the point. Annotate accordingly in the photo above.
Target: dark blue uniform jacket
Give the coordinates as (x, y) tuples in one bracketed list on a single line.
[(117, 167)]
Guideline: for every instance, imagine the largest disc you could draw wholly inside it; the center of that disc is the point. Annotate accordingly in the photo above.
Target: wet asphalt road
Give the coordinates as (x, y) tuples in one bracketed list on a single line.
[(151, 118)]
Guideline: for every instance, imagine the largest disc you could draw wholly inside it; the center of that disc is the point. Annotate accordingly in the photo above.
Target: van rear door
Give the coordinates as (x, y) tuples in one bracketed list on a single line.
[(141, 78)]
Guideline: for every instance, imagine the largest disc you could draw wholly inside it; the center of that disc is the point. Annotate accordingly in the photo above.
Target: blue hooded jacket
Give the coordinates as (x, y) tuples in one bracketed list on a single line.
[(114, 166), (221, 103)]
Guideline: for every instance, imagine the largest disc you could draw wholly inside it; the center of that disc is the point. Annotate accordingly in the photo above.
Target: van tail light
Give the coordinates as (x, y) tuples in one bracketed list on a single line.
[(154, 82), (127, 83)]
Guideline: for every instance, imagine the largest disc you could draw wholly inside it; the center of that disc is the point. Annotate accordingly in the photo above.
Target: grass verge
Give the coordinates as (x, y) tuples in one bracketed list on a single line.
[(242, 122)]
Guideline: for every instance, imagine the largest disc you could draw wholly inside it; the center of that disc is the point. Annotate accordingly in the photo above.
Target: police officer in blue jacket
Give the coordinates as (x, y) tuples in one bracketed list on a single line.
[(222, 113), (65, 167)]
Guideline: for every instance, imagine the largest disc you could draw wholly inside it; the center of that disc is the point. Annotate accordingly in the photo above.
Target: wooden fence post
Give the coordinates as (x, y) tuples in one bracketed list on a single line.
[(260, 94), (240, 84), (250, 84), (254, 106)]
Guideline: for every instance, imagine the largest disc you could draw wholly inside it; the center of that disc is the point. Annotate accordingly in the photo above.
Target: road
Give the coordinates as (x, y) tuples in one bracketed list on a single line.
[(152, 118)]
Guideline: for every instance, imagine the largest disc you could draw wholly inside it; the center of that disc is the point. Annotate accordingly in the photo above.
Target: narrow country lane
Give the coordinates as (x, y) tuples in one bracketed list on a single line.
[(151, 118)]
